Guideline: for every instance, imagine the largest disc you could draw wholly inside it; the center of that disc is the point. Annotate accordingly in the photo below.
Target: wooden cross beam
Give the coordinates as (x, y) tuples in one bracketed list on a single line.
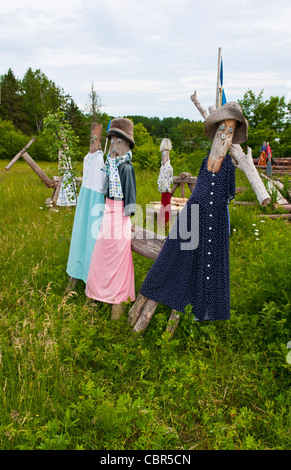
[(34, 166), (181, 180)]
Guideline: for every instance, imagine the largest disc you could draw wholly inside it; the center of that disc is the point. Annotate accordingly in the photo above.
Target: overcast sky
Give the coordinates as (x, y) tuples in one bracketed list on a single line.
[(146, 57)]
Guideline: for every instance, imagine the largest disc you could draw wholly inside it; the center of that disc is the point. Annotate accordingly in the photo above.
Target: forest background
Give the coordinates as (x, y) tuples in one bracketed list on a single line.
[(26, 102)]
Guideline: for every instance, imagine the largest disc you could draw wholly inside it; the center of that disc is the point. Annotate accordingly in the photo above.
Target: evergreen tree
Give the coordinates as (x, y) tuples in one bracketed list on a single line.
[(12, 107), (41, 97)]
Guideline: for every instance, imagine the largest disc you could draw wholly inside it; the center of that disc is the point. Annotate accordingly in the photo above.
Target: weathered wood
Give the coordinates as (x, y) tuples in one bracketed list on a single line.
[(276, 183), (195, 100), (146, 243), (34, 166), (136, 309), (276, 216), (246, 164), (145, 316), (286, 207), (219, 147), (20, 154), (95, 140), (173, 322), (244, 203), (117, 310), (57, 187)]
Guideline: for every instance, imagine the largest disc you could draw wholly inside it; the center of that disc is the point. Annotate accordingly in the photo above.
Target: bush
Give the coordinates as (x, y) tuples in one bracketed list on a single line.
[(11, 140)]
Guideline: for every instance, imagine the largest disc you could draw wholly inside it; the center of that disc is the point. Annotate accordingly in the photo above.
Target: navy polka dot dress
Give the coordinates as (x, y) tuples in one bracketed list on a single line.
[(198, 276)]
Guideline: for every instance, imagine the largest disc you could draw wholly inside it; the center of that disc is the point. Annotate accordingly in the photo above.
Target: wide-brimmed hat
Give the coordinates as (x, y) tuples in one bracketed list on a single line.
[(230, 110), (123, 127)]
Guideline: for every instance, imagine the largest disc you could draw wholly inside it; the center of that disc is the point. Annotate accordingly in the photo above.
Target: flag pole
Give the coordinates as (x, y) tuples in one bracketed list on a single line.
[(218, 79)]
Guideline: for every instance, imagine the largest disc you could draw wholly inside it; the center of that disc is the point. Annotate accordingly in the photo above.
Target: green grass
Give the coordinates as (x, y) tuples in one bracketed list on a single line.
[(70, 378)]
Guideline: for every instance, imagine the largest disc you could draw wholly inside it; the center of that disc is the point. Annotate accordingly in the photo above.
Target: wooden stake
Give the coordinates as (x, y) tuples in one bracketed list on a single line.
[(173, 322), (117, 311), (95, 140), (145, 316), (135, 311)]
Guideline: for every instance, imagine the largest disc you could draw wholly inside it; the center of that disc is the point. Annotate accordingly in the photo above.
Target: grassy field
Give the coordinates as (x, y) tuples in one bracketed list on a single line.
[(70, 378)]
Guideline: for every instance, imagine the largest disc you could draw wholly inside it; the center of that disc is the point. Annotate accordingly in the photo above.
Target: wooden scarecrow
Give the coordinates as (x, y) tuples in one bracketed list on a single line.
[(165, 182), (89, 210), (111, 273), (197, 274)]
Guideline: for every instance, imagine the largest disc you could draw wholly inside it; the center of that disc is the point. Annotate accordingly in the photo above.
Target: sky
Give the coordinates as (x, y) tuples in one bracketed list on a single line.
[(146, 57)]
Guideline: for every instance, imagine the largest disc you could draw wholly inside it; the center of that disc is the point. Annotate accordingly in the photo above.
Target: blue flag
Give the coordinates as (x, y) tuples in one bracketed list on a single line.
[(222, 97), (108, 126)]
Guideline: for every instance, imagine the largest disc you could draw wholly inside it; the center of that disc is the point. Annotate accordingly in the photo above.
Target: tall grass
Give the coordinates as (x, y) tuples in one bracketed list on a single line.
[(70, 378)]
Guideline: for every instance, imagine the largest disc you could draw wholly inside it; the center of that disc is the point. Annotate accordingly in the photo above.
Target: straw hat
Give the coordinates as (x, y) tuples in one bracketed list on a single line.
[(230, 110), (123, 127)]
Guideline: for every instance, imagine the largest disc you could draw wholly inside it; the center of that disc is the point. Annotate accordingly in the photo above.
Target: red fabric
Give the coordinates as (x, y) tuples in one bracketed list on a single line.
[(268, 151), (165, 211)]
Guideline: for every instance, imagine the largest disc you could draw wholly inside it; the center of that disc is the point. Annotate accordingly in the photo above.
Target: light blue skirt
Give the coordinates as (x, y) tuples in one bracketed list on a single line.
[(88, 218)]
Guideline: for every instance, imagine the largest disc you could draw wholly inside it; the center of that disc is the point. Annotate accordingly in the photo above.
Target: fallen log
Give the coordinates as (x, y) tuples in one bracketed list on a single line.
[(146, 243), (276, 216)]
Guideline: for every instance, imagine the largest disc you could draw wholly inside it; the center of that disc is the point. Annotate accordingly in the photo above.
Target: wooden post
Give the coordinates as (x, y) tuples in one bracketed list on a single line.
[(173, 322), (136, 309), (246, 164), (146, 315), (95, 139)]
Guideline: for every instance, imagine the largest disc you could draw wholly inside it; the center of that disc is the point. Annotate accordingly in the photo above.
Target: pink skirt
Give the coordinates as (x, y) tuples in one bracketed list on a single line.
[(111, 274)]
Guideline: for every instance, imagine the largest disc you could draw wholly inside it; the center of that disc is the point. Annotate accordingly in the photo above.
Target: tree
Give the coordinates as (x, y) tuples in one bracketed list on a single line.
[(95, 105), (12, 107), (269, 120), (41, 96)]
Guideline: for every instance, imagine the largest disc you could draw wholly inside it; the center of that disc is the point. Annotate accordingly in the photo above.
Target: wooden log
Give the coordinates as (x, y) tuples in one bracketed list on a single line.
[(173, 322), (286, 207), (136, 309), (20, 154), (244, 203), (146, 243), (276, 216), (246, 164), (57, 187), (278, 184), (34, 166), (145, 316)]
